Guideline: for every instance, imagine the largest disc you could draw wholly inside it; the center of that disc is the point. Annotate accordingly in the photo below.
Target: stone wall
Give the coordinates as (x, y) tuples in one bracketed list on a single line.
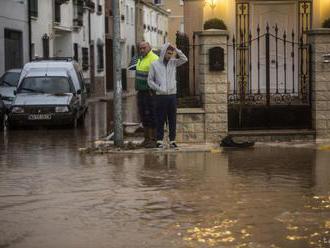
[(213, 86), (320, 44), (190, 125), (210, 123)]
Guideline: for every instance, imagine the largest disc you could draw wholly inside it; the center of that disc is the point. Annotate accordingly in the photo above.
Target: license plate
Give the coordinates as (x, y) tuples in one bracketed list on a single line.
[(40, 117)]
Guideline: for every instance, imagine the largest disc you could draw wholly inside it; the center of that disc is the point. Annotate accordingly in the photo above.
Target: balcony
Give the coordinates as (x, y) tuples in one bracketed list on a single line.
[(77, 23), (88, 4), (59, 2)]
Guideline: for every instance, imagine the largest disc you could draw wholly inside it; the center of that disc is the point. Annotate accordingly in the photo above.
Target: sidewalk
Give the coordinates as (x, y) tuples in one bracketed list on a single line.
[(131, 147), (109, 96)]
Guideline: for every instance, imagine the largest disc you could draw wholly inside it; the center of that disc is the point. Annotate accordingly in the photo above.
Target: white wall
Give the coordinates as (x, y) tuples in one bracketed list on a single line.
[(43, 25), (154, 19), (97, 35), (80, 36), (127, 30), (66, 14), (13, 15), (63, 45)]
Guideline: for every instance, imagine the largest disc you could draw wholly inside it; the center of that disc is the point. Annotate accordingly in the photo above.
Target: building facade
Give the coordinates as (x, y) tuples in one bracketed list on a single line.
[(175, 17), (14, 34), (139, 21), (128, 45), (71, 28), (151, 24), (266, 76)]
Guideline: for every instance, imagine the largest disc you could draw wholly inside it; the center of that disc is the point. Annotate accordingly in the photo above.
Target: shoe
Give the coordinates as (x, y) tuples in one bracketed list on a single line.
[(146, 137), (159, 144), (173, 144), (150, 144)]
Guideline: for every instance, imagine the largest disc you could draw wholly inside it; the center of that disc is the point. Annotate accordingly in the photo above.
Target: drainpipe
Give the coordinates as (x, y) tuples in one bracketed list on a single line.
[(29, 29), (137, 20), (89, 27), (91, 43)]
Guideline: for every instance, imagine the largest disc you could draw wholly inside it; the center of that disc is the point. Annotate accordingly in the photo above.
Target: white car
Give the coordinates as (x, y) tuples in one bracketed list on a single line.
[(49, 92)]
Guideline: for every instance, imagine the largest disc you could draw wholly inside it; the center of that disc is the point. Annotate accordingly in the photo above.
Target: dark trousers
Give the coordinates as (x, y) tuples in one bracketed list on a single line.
[(166, 110), (147, 108)]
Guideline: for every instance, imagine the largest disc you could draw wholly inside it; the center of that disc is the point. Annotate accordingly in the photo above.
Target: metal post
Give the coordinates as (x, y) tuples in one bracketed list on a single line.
[(117, 94), (267, 67), (30, 29), (194, 64)]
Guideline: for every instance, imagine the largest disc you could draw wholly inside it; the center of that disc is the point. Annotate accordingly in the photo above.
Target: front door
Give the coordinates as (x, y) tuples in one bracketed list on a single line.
[(281, 18), (109, 64), (13, 49)]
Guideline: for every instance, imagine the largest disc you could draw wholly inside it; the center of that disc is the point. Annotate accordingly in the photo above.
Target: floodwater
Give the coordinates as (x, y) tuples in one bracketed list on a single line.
[(53, 196)]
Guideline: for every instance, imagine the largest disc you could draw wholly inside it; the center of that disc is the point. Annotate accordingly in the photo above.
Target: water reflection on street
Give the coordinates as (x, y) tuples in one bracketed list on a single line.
[(52, 196)]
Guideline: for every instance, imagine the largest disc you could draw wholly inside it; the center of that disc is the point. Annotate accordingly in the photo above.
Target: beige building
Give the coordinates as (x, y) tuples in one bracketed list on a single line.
[(175, 18), (268, 71), (282, 16), (196, 12), (151, 23)]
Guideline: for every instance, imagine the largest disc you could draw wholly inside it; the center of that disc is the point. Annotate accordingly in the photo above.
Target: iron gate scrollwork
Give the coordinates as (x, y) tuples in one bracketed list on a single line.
[(271, 81)]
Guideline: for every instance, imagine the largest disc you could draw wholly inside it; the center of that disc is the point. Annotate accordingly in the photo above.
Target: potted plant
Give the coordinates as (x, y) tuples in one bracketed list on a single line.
[(215, 23), (326, 23)]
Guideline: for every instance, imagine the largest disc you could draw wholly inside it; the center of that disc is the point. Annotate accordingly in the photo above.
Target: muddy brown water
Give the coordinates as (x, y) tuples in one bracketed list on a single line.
[(52, 196)]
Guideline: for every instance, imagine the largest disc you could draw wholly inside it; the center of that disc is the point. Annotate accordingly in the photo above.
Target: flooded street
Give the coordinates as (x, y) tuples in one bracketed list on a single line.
[(52, 196)]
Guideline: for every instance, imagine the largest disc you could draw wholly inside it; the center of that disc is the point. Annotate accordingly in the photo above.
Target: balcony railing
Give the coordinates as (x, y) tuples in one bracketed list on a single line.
[(89, 4)]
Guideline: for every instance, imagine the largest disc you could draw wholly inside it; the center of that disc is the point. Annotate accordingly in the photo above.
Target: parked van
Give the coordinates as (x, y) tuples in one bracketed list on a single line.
[(49, 92)]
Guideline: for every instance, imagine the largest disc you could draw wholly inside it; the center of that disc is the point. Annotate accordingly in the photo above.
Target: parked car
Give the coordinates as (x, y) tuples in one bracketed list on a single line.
[(49, 92), (8, 83), (2, 115)]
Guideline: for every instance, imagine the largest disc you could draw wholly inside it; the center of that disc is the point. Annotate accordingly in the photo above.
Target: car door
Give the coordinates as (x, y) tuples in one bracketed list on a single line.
[(83, 94)]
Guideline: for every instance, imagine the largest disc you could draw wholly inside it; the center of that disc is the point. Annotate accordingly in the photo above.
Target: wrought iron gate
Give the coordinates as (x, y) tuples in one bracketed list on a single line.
[(271, 76)]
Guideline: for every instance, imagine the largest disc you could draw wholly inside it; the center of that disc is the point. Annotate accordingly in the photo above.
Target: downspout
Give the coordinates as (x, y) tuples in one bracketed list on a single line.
[(136, 19), (91, 56), (29, 29), (89, 27)]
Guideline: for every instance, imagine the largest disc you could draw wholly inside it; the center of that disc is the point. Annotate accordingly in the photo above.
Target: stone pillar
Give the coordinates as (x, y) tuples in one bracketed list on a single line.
[(213, 85), (320, 44)]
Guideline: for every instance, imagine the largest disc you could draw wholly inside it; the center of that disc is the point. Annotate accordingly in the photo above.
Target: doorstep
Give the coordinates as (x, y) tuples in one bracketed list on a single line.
[(274, 135)]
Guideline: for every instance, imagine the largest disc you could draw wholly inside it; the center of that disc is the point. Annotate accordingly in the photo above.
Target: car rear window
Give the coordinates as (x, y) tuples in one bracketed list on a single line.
[(10, 79), (50, 85)]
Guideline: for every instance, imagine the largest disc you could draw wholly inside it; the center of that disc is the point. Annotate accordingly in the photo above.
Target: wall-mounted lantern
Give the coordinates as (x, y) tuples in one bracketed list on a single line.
[(45, 45)]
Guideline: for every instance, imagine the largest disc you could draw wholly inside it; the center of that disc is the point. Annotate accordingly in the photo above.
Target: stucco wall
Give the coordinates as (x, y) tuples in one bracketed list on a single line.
[(321, 12), (43, 25), (13, 15), (153, 18), (175, 18)]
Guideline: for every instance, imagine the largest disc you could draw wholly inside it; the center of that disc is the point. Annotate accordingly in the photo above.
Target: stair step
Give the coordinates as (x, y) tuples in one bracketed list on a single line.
[(274, 135)]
